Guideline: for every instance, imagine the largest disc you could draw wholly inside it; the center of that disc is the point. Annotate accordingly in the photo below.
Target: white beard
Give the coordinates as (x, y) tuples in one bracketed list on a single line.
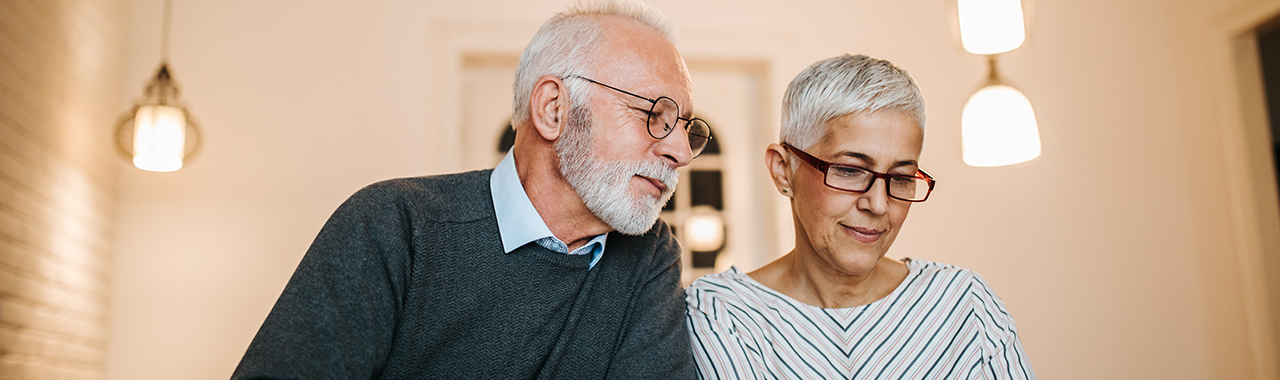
[(604, 186)]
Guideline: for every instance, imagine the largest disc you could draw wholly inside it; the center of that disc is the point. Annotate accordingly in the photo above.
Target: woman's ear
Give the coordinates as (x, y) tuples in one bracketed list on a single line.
[(776, 161), (548, 106)]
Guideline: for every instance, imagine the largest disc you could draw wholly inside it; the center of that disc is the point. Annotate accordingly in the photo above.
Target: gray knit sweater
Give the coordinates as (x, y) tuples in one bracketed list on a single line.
[(408, 280)]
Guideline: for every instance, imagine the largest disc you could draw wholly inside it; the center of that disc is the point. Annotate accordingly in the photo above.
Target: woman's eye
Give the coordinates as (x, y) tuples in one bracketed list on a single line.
[(848, 172)]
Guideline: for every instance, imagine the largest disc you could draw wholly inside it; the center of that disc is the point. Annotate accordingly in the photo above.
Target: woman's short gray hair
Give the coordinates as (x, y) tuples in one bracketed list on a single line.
[(843, 85), (565, 45)]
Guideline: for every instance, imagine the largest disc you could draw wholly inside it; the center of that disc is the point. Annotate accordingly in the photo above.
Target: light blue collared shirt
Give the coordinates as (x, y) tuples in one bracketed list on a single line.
[(519, 223)]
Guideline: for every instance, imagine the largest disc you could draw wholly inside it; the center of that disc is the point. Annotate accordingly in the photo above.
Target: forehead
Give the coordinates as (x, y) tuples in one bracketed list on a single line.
[(634, 57), (886, 136)]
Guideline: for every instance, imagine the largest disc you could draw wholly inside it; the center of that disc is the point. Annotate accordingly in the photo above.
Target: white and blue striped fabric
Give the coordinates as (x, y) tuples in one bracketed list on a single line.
[(942, 322)]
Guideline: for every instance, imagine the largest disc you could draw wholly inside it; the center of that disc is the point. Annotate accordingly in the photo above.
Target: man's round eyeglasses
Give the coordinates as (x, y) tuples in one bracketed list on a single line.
[(664, 117), (910, 188)]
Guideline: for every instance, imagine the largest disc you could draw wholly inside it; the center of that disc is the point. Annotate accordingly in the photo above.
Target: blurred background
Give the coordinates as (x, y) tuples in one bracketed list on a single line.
[(1142, 244)]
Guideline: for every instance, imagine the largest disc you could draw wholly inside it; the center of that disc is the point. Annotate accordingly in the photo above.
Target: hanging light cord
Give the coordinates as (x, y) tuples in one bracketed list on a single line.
[(993, 77), (164, 44)]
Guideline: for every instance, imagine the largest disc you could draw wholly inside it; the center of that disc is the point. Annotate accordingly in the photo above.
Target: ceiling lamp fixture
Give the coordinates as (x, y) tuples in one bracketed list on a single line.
[(998, 125), (704, 229), (158, 134)]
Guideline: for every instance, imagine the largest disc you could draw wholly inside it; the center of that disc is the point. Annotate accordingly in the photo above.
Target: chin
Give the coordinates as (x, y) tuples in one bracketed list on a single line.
[(855, 261), (859, 266)]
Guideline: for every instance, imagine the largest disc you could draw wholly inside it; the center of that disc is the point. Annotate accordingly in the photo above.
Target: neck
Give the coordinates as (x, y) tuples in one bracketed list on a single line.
[(557, 203), (820, 285), (803, 275)]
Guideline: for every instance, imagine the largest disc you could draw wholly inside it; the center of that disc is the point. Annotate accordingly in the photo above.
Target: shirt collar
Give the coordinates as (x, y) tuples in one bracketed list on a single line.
[(518, 222)]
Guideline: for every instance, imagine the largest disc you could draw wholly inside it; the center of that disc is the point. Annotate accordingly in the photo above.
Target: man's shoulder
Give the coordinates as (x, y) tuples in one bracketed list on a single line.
[(659, 238), (454, 197)]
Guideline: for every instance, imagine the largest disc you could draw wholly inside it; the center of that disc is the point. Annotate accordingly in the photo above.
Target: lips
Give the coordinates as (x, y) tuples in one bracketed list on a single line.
[(662, 188), (662, 177), (863, 234)]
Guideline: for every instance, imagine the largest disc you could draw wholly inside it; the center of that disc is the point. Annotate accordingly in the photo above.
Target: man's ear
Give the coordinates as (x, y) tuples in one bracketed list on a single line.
[(775, 160), (548, 106)]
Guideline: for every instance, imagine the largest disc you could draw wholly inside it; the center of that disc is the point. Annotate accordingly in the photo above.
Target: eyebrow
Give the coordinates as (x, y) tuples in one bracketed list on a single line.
[(641, 103), (871, 161), (685, 115)]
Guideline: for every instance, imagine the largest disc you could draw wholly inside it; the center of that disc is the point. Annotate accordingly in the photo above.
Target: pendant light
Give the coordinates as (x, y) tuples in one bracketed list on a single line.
[(998, 125), (158, 134), (704, 229)]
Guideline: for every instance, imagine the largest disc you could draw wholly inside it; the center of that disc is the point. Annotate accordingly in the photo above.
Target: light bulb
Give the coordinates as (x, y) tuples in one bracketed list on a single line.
[(704, 229), (159, 138), (998, 128), (991, 26)]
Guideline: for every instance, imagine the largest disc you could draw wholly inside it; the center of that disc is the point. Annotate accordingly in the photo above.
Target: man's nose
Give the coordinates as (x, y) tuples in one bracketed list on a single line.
[(675, 147)]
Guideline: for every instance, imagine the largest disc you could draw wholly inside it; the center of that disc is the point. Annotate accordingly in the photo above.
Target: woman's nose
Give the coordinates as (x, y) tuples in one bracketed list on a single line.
[(876, 199)]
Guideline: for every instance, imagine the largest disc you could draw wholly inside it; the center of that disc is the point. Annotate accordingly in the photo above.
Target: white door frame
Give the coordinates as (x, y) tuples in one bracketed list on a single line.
[(1251, 189)]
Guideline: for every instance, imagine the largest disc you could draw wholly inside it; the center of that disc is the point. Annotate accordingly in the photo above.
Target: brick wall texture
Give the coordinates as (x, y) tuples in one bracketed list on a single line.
[(61, 63)]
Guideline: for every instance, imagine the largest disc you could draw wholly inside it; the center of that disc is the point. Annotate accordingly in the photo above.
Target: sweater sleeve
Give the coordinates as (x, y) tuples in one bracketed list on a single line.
[(656, 339), (336, 317)]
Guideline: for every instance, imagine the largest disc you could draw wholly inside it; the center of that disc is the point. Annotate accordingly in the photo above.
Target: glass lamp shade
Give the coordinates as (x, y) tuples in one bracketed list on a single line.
[(704, 229), (998, 128), (159, 138), (991, 26)]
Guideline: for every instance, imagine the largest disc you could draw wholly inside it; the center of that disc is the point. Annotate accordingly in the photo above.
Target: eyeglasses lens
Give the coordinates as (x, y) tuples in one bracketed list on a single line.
[(663, 117), (909, 188), (699, 133)]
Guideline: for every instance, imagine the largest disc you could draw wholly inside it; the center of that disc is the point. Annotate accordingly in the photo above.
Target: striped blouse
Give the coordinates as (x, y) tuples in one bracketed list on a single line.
[(942, 322)]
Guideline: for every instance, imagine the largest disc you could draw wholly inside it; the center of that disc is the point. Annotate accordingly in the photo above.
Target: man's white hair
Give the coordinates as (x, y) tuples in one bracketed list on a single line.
[(844, 85), (565, 45)]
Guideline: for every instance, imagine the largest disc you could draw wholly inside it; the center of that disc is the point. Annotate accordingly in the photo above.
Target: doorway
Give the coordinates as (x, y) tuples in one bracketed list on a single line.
[(1268, 40), (1258, 66)]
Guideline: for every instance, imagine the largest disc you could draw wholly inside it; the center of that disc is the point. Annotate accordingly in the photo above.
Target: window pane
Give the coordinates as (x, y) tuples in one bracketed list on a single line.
[(705, 189)]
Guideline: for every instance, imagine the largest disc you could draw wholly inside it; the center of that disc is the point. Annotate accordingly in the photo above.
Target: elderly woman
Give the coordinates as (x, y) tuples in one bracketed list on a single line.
[(835, 307)]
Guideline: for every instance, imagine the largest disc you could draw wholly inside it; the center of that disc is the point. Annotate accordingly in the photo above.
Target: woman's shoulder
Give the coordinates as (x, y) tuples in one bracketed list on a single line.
[(959, 280), (724, 284), (732, 287), (937, 270)]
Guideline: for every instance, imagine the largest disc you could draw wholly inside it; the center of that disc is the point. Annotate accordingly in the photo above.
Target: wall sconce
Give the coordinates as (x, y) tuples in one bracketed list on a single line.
[(704, 229), (998, 125), (158, 134)]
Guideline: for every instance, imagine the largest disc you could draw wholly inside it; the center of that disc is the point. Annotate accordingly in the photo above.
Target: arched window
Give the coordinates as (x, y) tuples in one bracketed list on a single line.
[(699, 204)]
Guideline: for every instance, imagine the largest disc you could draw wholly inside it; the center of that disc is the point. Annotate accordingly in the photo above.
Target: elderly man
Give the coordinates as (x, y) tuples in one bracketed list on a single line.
[(548, 266)]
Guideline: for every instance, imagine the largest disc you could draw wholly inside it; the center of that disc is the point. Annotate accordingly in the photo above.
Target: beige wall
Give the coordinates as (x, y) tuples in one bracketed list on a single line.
[(304, 102), (60, 64)]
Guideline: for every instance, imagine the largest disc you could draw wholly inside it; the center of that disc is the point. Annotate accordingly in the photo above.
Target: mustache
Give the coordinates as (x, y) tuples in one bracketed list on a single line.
[(657, 170)]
